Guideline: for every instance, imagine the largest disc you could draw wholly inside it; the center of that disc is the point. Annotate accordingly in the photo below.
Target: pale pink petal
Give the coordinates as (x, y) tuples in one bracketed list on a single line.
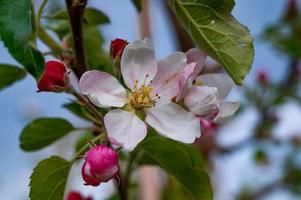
[(138, 63), (226, 111), (125, 128), (197, 56), (102, 89), (222, 82), (201, 100), (184, 80), (172, 121), (166, 81)]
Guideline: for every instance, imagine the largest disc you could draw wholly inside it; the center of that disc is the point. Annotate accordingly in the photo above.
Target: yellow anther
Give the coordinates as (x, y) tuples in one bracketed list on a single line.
[(199, 83), (141, 97)]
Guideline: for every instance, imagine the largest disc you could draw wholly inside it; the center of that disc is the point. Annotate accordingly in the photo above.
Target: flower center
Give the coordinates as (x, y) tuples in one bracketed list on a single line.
[(199, 83), (141, 97)]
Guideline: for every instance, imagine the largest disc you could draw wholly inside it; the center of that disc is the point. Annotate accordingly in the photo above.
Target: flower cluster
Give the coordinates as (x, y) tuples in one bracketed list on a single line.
[(167, 95)]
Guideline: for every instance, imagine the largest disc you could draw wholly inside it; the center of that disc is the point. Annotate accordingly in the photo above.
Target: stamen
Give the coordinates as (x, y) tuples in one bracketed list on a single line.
[(199, 83)]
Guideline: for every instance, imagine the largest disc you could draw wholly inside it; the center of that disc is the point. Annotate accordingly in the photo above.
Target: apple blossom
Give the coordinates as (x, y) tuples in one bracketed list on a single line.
[(100, 166), (204, 94), (151, 86), (54, 78)]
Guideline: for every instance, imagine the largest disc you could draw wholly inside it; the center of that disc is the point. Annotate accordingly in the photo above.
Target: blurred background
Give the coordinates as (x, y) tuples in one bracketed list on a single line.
[(255, 156)]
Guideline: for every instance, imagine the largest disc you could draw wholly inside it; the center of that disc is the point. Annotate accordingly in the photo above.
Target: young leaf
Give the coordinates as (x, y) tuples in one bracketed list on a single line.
[(92, 16), (137, 4), (180, 160), (42, 132), (96, 56), (48, 180), (216, 31), (17, 32), (10, 74)]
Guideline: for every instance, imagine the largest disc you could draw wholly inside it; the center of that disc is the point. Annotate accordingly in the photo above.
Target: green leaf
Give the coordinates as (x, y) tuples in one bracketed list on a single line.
[(18, 34), (48, 180), (137, 4), (92, 16), (96, 56), (217, 32), (10, 74), (60, 27), (180, 160), (42, 132)]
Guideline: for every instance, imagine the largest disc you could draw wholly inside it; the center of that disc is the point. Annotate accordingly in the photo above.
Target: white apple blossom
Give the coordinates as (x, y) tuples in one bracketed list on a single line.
[(204, 95), (151, 86)]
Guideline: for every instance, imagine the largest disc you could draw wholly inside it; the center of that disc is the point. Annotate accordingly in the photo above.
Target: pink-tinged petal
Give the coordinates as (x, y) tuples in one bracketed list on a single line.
[(184, 80), (226, 111), (102, 89), (201, 100), (88, 177), (197, 56), (172, 121), (222, 82), (138, 63), (166, 81), (125, 128)]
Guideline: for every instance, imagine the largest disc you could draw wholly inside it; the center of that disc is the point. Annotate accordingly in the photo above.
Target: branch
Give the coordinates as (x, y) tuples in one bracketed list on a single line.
[(76, 9)]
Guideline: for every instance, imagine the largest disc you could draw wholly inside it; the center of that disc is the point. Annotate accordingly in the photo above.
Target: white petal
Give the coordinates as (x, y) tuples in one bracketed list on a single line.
[(222, 82), (201, 100), (172, 121), (125, 128), (102, 89), (197, 56), (225, 111), (138, 63), (166, 81)]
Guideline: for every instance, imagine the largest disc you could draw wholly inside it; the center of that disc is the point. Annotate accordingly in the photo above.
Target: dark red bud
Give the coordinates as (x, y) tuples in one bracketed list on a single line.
[(292, 10), (262, 77), (75, 195), (54, 77), (117, 47)]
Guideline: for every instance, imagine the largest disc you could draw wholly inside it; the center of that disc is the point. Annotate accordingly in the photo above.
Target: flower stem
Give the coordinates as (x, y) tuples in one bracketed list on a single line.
[(123, 185), (85, 148), (88, 105), (43, 35), (50, 42)]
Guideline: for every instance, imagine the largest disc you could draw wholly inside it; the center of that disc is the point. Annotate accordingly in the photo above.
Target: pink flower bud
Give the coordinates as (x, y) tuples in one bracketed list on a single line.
[(101, 165), (262, 77), (117, 47), (75, 195), (54, 77)]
